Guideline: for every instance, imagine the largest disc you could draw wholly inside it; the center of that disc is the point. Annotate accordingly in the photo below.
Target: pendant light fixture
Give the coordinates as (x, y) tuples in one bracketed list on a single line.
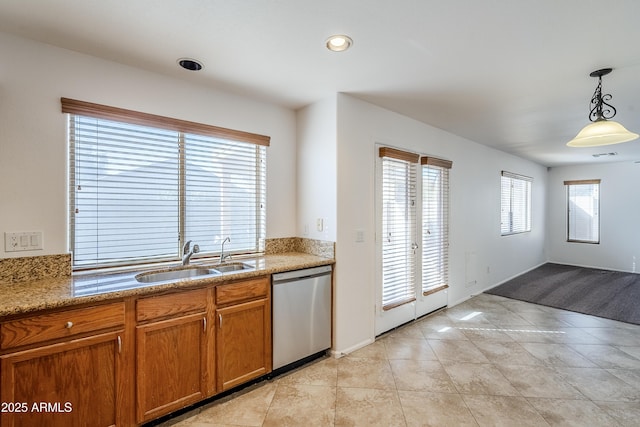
[(602, 131)]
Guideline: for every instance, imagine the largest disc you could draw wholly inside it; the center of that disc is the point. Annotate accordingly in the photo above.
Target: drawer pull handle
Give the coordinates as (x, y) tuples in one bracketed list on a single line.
[(220, 319), (119, 345), (69, 325), (204, 324)]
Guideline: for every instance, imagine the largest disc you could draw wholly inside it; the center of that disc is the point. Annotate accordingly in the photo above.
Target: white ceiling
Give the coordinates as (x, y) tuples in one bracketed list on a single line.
[(510, 74)]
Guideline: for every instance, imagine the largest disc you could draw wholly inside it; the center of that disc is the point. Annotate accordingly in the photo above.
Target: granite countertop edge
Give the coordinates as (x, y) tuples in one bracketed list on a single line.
[(30, 296)]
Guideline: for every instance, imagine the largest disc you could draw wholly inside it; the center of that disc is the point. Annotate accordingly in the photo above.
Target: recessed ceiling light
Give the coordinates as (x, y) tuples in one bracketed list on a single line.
[(190, 64), (339, 43)]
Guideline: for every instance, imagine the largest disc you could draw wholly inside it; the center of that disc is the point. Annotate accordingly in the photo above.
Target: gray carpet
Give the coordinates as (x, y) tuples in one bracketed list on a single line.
[(603, 293)]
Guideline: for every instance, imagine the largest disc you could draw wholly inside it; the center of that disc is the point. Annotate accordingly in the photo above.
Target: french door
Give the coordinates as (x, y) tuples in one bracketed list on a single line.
[(412, 205)]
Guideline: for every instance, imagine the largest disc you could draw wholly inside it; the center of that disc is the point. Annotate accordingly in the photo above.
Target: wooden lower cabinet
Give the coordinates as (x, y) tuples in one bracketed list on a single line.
[(243, 336), (171, 365), (172, 352), (73, 383), (128, 362)]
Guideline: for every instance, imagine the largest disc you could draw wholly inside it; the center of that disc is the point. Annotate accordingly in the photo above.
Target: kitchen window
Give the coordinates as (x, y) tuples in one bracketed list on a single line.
[(583, 211), (515, 203), (142, 185)]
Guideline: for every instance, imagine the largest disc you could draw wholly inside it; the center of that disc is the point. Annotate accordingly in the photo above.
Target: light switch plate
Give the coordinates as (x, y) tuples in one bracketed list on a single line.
[(22, 241)]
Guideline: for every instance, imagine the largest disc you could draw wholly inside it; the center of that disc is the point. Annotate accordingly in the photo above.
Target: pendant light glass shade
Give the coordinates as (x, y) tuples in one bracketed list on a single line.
[(602, 132)]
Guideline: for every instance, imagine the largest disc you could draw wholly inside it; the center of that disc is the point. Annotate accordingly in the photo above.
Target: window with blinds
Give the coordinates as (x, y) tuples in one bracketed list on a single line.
[(399, 227), (142, 185), (583, 211), (435, 223), (515, 205), (413, 211)]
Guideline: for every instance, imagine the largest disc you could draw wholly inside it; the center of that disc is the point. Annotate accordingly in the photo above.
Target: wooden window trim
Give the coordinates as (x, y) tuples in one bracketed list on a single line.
[(398, 304), (394, 153), (434, 290), (73, 106), (434, 161), (582, 182)]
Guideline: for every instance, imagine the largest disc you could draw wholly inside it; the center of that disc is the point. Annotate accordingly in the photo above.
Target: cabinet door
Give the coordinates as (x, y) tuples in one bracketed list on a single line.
[(243, 342), (171, 365), (67, 384)]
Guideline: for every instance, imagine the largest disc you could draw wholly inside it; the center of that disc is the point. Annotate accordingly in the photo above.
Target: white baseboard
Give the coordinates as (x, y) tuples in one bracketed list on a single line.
[(341, 353), (460, 301), (514, 276), (595, 267)]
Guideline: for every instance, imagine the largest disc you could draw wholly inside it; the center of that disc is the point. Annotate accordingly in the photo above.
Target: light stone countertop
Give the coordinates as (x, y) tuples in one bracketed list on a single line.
[(29, 296)]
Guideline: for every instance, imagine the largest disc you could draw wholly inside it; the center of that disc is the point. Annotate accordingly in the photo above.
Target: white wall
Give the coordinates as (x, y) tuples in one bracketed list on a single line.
[(475, 212), (336, 159), (33, 150), (316, 139), (619, 247)]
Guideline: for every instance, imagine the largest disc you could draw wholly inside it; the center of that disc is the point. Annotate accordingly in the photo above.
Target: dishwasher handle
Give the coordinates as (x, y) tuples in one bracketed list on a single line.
[(290, 276)]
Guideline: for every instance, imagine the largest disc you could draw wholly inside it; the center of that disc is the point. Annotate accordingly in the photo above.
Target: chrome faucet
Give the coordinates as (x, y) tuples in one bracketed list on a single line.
[(222, 255), (187, 252)]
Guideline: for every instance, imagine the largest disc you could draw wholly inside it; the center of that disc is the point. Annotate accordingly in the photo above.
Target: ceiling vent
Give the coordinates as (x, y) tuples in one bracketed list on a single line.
[(604, 155)]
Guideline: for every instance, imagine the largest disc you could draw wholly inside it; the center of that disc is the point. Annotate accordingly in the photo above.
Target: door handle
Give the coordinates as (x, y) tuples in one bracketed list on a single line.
[(204, 324), (220, 320), (119, 345)]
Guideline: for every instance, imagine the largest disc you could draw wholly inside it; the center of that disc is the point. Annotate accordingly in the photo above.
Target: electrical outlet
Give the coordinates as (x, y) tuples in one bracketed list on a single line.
[(22, 241)]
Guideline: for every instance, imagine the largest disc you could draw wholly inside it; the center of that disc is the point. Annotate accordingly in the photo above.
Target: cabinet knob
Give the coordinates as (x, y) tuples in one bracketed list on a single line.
[(69, 325)]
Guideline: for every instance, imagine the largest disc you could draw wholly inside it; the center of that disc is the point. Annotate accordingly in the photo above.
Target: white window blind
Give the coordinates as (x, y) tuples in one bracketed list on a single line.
[(138, 192), (583, 211), (435, 223), (515, 205), (399, 230), (225, 194)]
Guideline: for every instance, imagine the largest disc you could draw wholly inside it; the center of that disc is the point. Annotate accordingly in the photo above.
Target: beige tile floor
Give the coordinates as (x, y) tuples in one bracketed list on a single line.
[(509, 363)]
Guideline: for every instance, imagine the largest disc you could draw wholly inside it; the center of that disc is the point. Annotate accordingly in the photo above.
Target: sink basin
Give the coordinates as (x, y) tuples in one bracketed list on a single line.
[(193, 272), (186, 273), (230, 267)]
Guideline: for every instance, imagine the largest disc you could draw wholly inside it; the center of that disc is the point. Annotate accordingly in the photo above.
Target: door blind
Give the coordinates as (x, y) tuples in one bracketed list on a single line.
[(435, 223), (137, 193), (399, 229)]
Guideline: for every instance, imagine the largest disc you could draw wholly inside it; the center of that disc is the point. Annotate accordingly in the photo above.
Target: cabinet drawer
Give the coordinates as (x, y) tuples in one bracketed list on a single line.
[(242, 291), (63, 324), (170, 305)]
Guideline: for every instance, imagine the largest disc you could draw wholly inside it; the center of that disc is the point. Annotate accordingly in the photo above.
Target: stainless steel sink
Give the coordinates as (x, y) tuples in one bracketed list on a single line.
[(185, 273), (232, 266), (192, 273)]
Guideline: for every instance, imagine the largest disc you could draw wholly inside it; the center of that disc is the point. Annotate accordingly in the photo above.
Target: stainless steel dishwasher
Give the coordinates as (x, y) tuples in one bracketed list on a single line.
[(301, 314)]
